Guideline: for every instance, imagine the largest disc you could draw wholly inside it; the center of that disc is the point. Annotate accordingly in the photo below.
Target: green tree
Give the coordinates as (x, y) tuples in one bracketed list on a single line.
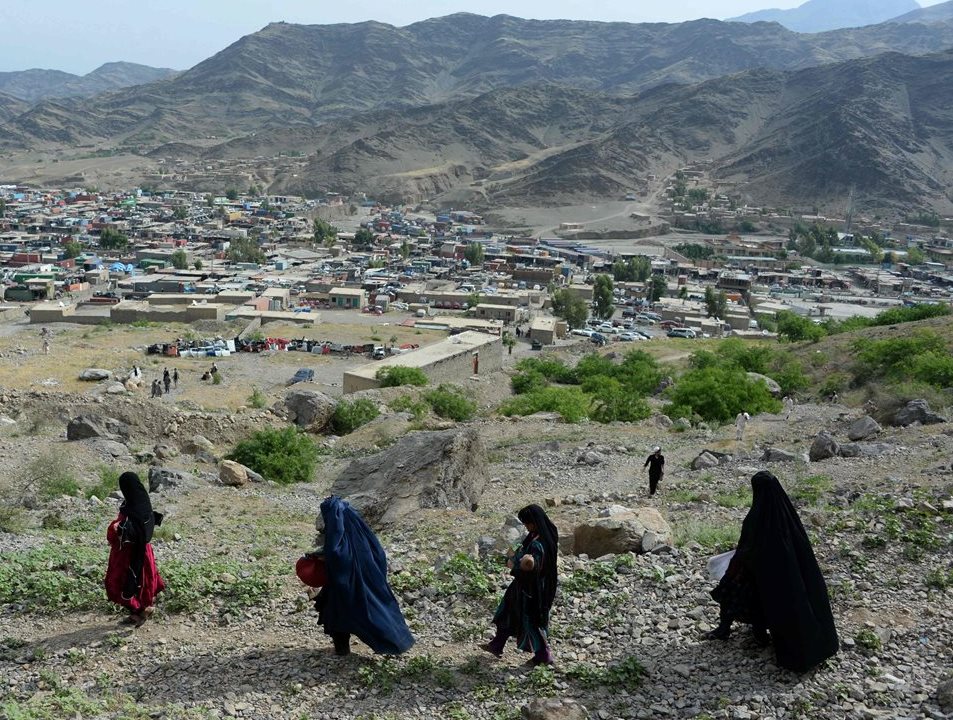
[(915, 256), (474, 253), (508, 342), (405, 249), (324, 232), (231, 194), (209, 200), (180, 261), (570, 307), (73, 249), (282, 456), (796, 328), (602, 295), (180, 212), (364, 239), (246, 250), (635, 269), (198, 265), (716, 303), (110, 239), (658, 288), (683, 292)]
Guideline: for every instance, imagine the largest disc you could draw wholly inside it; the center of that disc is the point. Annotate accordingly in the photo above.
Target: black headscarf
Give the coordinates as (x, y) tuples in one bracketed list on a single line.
[(137, 528), (791, 592), (548, 537)]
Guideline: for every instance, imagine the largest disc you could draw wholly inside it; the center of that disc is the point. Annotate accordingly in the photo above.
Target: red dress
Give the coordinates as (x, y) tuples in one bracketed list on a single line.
[(117, 571)]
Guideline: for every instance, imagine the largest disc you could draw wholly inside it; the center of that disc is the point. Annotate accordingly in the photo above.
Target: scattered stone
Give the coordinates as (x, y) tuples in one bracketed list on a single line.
[(111, 447), (422, 470), (823, 447), (161, 478), (95, 374), (554, 709), (638, 531), (861, 449), (198, 443), (704, 460), (590, 457), (165, 452), (777, 455), (944, 696), (232, 473), (863, 428)]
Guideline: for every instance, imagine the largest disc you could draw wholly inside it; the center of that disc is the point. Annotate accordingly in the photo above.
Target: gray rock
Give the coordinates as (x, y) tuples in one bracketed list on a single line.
[(232, 473), (421, 470), (591, 457), (84, 427), (777, 455), (823, 447), (863, 428), (704, 460), (309, 409), (849, 450), (161, 478), (639, 530), (873, 449), (198, 443), (553, 709), (112, 388), (944, 696), (773, 387), (663, 421), (917, 411), (165, 452), (682, 424), (95, 374), (111, 447)]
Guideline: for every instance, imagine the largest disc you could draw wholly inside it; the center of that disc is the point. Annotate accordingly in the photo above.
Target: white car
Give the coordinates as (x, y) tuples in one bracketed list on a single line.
[(630, 337), (645, 319), (584, 332)]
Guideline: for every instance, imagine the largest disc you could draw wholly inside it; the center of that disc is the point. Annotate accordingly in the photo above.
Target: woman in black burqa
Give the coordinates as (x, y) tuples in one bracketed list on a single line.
[(524, 610), (774, 583)]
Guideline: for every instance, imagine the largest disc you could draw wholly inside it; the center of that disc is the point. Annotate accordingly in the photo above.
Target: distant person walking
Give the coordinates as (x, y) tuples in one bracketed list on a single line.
[(788, 406), (167, 380), (741, 422), (656, 465), (175, 378), (156, 388)]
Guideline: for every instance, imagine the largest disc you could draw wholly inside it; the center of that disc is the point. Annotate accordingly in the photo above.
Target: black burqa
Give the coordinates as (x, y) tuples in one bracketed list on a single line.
[(538, 585), (789, 595), (137, 528)]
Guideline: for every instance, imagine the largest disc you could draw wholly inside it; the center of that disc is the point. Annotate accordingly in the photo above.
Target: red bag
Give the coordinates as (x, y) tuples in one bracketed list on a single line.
[(311, 570)]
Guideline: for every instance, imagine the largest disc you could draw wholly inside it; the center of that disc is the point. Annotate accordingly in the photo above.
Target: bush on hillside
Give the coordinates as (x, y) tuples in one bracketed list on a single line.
[(920, 356), (718, 393), (528, 382), (571, 403), (283, 456), (611, 401), (349, 415), (550, 368), (397, 375), (796, 328), (449, 401), (893, 316)]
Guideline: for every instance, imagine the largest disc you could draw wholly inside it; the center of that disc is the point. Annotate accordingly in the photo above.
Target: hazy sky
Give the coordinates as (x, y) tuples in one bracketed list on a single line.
[(80, 36)]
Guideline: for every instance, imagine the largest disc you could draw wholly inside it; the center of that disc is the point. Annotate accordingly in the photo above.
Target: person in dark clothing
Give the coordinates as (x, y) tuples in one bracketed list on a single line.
[(356, 599), (774, 583), (156, 388), (526, 604), (656, 465), (175, 378), (166, 380)]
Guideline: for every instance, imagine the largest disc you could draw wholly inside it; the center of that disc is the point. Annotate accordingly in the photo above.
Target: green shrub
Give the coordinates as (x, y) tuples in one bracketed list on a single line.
[(283, 456), (612, 401), (796, 328), (12, 519), (528, 382), (407, 403), (397, 375), (67, 577), (716, 538), (257, 399), (216, 378), (108, 482), (550, 368), (449, 401), (572, 404), (50, 474), (719, 393), (349, 415)]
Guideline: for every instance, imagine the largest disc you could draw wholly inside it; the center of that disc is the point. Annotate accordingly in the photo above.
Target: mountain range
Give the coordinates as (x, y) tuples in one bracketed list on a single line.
[(35, 85), (820, 15), (500, 109)]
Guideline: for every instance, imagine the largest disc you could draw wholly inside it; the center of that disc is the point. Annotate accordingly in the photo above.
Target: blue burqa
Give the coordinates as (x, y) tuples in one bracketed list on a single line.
[(357, 598)]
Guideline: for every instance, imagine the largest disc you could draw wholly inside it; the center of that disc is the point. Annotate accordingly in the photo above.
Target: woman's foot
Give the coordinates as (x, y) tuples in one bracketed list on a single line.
[(134, 619), (722, 632), (147, 612), (490, 648)]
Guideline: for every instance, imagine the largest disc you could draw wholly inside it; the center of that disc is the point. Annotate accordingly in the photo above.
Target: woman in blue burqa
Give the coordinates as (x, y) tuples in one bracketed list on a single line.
[(356, 599), (524, 610), (774, 583)]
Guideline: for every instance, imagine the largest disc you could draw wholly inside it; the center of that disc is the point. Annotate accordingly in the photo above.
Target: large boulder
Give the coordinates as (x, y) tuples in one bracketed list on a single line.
[(161, 478), (944, 696), (863, 428), (553, 709), (84, 427), (773, 386), (704, 460), (777, 455), (917, 411), (95, 374), (862, 449), (823, 447), (232, 473), (640, 530), (421, 470), (309, 409)]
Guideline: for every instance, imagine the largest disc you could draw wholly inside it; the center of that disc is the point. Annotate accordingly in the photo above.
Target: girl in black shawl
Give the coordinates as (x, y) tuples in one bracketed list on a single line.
[(524, 610), (774, 583), (132, 579)]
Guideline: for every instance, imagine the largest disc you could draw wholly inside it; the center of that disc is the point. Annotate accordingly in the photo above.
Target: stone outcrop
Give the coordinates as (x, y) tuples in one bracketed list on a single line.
[(622, 530), (84, 427), (95, 374), (553, 709), (232, 473), (421, 470), (917, 411), (823, 447), (777, 455), (863, 428), (773, 386), (309, 409)]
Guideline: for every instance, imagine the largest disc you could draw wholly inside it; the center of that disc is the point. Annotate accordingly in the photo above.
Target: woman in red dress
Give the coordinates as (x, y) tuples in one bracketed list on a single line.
[(132, 579)]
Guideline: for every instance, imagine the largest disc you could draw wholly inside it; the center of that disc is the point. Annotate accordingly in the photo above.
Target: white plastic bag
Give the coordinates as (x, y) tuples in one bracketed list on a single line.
[(718, 565)]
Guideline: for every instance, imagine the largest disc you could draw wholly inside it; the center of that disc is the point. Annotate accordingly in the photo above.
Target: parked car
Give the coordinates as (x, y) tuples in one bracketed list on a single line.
[(584, 332), (629, 337), (303, 375), (645, 319), (669, 324), (536, 345), (598, 338), (682, 333)]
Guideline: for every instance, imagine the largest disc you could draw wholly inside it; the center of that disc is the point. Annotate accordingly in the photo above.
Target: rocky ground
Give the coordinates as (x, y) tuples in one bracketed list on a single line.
[(235, 635)]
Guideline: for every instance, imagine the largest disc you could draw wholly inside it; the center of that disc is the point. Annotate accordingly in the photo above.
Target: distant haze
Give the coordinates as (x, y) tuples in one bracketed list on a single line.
[(79, 37)]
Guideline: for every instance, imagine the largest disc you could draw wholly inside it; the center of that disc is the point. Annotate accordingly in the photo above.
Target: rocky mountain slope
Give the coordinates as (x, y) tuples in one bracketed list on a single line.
[(941, 12), (820, 15), (304, 75), (35, 85)]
